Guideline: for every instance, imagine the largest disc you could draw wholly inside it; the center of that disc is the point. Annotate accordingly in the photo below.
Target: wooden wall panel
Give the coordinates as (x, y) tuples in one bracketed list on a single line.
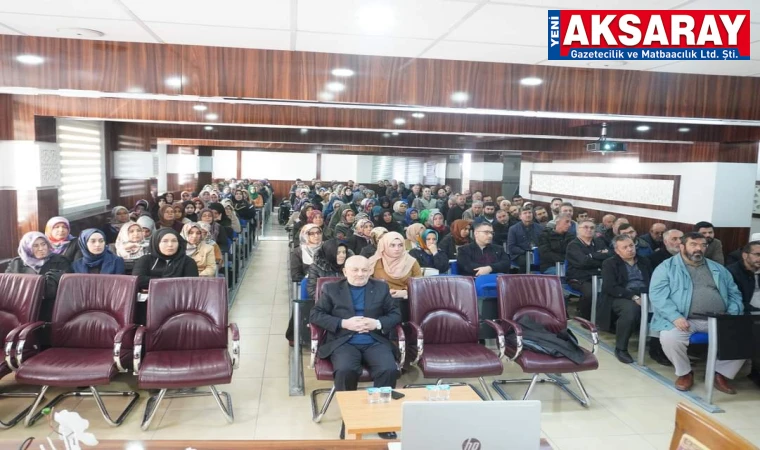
[(9, 238), (492, 188), (6, 117), (254, 73)]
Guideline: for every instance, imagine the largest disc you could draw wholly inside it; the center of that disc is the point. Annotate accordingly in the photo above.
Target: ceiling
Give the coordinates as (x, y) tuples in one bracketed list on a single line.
[(511, 31)]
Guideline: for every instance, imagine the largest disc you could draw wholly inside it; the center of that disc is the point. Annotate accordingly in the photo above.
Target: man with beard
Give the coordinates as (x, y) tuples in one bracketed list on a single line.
[(654, 237), (714, 246), (489, 213), (456, 211), (501, 227), (685, 289), (542, 217), (554, 205), (517, 200), (671, 240), (746, 273), (565, 208), (604, 229)]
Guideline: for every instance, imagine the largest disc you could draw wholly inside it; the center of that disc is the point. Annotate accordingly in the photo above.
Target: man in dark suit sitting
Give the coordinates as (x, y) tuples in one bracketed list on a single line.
[(357, 314)]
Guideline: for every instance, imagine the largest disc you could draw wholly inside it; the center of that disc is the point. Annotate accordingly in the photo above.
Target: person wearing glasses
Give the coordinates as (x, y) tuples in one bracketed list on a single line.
[(482, 257), (746, 274)]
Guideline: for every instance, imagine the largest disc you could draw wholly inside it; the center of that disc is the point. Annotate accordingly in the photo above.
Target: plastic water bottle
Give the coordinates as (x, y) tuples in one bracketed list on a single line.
[(373, 395), (432, 392), (385, 394), (444, 392)]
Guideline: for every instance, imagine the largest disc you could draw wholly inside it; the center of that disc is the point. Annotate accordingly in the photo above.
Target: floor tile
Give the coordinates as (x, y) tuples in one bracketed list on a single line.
[(603, 443)]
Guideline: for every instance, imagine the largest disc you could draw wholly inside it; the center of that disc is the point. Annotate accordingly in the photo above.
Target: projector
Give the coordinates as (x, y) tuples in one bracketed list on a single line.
[(604, 146)]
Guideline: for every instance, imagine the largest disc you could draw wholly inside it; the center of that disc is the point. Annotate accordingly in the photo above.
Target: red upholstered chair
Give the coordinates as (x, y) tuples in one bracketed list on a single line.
[(90, 336), (186, 342), (445, 311), (540, 298), (323, 368), (20, 297)]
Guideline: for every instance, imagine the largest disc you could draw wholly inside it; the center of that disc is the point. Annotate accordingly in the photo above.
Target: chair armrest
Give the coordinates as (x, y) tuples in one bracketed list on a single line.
[(415, 335), (499, 336), (137, 350), (22, 336), (506, 324), (401, 345), (235, 345), (314, 331), (117, 341), (594, 333), (10, 340)]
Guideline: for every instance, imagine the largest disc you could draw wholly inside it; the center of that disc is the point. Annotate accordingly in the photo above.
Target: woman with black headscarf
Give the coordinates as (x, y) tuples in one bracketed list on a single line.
[(119, 216), (190, 213), (167, 259), (328, 262), (387, 222), (96, 257)]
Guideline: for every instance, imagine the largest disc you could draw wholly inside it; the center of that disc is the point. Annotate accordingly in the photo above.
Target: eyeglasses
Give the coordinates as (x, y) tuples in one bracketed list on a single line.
[(484, 232)]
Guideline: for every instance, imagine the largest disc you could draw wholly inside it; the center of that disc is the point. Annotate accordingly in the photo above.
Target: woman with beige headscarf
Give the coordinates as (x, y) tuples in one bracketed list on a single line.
[(197, 248), (394, 265)]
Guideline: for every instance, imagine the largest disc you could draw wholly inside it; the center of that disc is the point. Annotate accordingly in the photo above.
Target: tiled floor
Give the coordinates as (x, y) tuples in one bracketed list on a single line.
[(628, 410)]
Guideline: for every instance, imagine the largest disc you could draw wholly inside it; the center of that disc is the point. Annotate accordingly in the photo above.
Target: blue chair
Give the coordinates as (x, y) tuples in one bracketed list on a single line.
[(566, 286), (304, 292), (485, 285), (698, 338), (453, 268)]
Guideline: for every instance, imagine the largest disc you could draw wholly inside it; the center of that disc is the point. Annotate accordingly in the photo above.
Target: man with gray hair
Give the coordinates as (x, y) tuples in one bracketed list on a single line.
[(474, 212), (671, 245)]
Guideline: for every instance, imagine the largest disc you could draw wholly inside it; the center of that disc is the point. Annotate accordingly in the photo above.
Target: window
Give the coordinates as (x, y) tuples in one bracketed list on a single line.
[(408, 170), (83, 187)]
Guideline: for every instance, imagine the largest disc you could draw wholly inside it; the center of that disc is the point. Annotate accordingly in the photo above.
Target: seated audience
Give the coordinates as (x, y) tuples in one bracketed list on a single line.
[(459, 236), (392, 264), (387, 221), (501, 228), (436, 221), (142, 208), (745, 274), (582, 214), (412, 216), (554, 205), (361, 236), (119, 216), (714, 246), (565, 208), (671, 241), (375, 235), (310, 239), (585, 255), (552, 244), (217, 233), (604, 229), (504, 205), (167, 259), (189, 208), (626, 276), (426, 201), (58, 232), (328, 262), (358, 314), (166, 219), (474, 212), (301, 219), (96, 257), (36, 257), (541, 216), (654, 237), (179, 213), (684, 289), (456, 212), (489, 213), (201, 252), (184, 196), (208, 239), (131, 243), (517, 200), (642, 247), (427, 254), (482, 257), (229, 210), (413, 233), (148, 226), (523, 237)]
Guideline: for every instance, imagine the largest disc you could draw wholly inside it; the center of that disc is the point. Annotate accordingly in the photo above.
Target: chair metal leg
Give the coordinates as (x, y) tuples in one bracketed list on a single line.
[(151, 408), (712, 357), (317, 416), (531, 386), (31, 417), (16, 419), (581, 388), (551, 378), (485, 388), (227, 411), (97, 395)]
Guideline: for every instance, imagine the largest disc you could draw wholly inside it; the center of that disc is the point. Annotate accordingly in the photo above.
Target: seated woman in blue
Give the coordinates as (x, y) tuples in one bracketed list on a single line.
[(96, 257)]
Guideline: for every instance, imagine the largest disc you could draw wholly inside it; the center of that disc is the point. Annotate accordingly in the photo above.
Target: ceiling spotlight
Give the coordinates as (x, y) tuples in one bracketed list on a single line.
[(175, 82), (460, 97), (418, 115), (343, 72), (335, 86), (531, 81), (30, 59), (304, 130), (325, 96), (200, 107), (212, 116), (684, 129), (208, 128), (399, 121), (643, 128), (395, 133)]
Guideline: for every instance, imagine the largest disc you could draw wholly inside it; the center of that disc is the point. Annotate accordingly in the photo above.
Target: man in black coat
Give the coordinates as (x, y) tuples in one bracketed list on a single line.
[(456, 211), (482, 257), (746, 273), (552, 243), (626, 277), (358, 314), (585, 255)]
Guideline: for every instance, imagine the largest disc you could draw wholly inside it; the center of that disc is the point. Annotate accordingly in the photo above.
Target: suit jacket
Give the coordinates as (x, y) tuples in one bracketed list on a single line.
[(335, 304), (615, 276)]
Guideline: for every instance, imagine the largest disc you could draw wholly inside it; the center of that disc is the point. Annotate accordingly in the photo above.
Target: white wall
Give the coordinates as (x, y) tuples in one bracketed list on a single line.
[(339, 167), (701, 185)]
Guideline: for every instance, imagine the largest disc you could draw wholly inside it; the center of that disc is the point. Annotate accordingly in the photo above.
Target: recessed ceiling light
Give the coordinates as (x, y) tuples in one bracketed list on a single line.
[(334, 86), (386, 135), (642, 128), (399, 121), (395, 133), (418, 115), (460, 97), (80, 32), (684, 129), (200, 107), (208, 128), (30, 59), (304, 130), (375, 18), (325, 96), (212, 116), (531, 81), (174, 82), (341, 72)]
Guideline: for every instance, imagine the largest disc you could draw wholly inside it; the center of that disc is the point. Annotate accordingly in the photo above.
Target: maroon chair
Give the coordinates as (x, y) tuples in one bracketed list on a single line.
[(90, 328), (186, 342), (445, 311), (540, 298), (323, 368), (20, 297)]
